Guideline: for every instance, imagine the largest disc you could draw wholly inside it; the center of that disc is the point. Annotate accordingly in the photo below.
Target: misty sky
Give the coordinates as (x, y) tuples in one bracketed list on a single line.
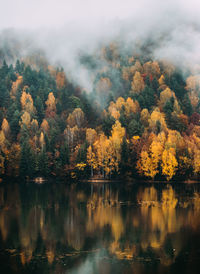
[(57, 13), (63, 28)]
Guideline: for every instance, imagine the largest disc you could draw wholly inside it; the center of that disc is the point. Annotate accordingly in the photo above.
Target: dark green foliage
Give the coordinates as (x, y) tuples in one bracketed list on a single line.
[(173, 119), (40, 109), (177, 84), (177, 124), (43, 167), (124, 157), (64, 154), (168, 109), (154, 84), (147, 81), (158, 127), (107, 124), (147, 98), (73, 102), (1, 116), (28, 161), (135, 128), (14, 124), (186, 105), (19, 67), (123, 119), (53, 138), (4, 93)]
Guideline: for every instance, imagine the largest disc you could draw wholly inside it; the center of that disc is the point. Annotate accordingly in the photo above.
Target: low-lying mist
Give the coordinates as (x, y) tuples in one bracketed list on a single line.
[(64, 33)]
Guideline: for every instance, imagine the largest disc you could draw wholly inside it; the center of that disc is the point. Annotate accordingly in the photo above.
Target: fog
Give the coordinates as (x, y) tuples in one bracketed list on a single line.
[(65, 28)]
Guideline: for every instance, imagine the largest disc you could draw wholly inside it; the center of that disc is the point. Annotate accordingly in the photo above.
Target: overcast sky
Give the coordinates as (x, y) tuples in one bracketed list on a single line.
[(63, 28), (56, 13)]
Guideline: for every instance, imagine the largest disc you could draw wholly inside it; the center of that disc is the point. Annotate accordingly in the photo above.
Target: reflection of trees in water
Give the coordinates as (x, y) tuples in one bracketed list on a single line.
[(164, 219), (159, 217), (59, 219), (104, 210)]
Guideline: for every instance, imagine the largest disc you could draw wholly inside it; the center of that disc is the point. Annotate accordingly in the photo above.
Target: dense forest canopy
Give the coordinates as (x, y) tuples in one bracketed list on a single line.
[(141, 117)]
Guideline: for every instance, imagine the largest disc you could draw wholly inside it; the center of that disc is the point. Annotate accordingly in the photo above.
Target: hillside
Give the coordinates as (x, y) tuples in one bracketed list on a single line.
[(141, 119)]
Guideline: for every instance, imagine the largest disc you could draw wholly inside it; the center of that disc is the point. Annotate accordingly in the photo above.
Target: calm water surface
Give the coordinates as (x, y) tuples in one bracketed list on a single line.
[(99, 228)]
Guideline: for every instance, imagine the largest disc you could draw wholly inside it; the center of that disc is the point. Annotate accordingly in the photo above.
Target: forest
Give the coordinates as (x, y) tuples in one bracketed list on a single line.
[(140, 120)]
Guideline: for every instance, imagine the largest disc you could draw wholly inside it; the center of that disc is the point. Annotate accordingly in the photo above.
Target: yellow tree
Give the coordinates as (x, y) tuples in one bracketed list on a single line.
[(120, 103), (42, 141), (25, 119), (79, 117), (114, 108), (144, 117), (136, 67), (45, 126), (27, 102), (100, 147), (148, 163), (2, 138), (104, 151), (144, 165), (137, 84), (165, 95), (91, 135), (113, 111), (5, 128), (76, 118), (196, 161), (131, 106), (91, 159), (152, 69), (169, 163), (51, 105), (155, 118), (161, 80), (15, 86), (109, 157), (116, 138)]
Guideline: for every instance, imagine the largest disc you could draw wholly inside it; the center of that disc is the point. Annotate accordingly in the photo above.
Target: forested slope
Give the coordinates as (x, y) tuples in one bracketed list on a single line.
[(141, 118)]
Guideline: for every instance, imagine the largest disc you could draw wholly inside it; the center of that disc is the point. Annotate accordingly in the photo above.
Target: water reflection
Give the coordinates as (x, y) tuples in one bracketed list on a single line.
[(84, 228)]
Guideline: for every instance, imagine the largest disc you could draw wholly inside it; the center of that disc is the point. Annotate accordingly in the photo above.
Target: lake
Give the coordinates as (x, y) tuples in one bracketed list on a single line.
[(99, 228)]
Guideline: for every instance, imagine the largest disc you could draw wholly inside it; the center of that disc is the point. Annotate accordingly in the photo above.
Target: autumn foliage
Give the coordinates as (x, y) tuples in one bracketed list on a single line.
[(141, 118)]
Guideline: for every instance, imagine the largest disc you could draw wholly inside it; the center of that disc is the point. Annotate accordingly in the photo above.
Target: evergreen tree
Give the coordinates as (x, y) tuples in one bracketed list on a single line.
[(27, 162), (43, 163)]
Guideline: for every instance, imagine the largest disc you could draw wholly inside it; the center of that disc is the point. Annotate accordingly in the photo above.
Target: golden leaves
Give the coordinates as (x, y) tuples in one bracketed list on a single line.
[(169, 163), (51, 105), (45, 126), (26, 102), (137, 84), (130, 106), (76, 118)]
